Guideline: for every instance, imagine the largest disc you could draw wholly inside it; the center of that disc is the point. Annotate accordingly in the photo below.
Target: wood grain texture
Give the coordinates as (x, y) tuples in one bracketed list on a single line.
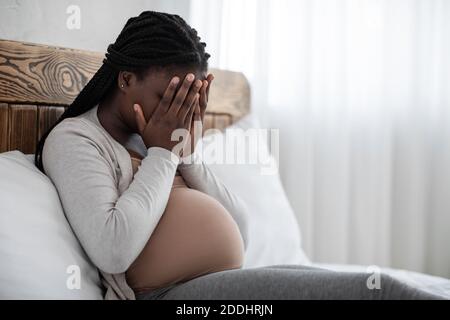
[(38, 81), (222, 121), (47, 116), (41, 74), (208, 121), (229, 94), (4, 127), (23, 128), (216, 121)]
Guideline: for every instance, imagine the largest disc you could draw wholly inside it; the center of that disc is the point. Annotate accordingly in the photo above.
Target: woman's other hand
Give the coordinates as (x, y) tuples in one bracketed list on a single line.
[(196, 130), (174, 111)]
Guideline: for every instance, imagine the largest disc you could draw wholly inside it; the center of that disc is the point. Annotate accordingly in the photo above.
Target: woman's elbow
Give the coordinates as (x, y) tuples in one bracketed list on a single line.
[(113, 264), (113, 260), (120, 248)]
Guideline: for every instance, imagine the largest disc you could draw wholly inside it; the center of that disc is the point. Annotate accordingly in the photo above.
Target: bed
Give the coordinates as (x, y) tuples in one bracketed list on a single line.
[(38, 82)]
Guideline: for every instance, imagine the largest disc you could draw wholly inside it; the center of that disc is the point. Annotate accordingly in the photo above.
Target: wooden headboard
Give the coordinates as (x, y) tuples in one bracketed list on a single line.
[(37, 82)]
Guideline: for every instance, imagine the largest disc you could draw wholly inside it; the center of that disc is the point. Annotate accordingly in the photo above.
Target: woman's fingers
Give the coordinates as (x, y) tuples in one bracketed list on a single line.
[(204, 94), (203, 98), (167, 98), (190, 99), (181, 94), (196, 126), (203, 102), (197, 111), (210, 79), (189, 115), (140, 119)]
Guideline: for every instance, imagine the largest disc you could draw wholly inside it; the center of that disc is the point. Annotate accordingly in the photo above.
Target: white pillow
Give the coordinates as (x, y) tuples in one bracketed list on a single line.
[(40, 258), (274, 234)]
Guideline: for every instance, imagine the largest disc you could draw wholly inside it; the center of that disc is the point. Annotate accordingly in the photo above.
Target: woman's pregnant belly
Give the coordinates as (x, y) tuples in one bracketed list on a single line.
[(196, 235)]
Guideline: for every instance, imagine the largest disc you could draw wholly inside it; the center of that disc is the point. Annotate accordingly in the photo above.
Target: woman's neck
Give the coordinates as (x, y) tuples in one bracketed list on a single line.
[(110, 118)]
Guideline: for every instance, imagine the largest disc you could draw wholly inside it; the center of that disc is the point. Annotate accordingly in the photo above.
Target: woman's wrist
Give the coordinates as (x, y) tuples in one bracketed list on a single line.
[(164, 153), (194, 157)]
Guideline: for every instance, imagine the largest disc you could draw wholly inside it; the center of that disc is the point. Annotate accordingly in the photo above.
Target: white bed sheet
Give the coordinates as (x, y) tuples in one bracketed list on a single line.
[(436, 285)]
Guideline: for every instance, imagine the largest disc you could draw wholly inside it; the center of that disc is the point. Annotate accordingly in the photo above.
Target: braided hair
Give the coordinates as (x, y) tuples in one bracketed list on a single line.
[(152, 39)]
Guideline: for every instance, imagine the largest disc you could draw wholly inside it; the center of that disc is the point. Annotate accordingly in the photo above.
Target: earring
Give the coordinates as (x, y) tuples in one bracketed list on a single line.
[(121, 85)]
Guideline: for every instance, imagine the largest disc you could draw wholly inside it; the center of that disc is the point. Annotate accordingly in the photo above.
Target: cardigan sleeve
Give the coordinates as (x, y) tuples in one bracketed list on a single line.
[(113, 228)]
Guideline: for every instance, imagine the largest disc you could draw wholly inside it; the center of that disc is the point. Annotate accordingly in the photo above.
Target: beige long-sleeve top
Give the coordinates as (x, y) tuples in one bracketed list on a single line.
[(111, 213)]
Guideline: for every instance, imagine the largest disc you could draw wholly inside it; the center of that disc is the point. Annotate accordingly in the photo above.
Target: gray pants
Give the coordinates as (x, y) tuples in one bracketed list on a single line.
[(285, 282)]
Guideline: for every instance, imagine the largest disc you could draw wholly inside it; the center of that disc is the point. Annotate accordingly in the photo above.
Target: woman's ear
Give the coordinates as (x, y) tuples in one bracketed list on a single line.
[(126, 80)]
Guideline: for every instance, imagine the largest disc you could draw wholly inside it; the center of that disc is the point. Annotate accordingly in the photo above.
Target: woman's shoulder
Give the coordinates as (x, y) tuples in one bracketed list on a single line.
[(77, 141), (74, 142), (75, 131), (74, 125), (74, 136)]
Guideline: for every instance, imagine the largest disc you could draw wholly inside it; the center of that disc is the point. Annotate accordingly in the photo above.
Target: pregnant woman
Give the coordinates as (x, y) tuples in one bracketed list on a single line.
[(155, 225)]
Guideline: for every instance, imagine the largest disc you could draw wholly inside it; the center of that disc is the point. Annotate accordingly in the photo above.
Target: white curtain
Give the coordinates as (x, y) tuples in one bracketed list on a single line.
[(360, 90)]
